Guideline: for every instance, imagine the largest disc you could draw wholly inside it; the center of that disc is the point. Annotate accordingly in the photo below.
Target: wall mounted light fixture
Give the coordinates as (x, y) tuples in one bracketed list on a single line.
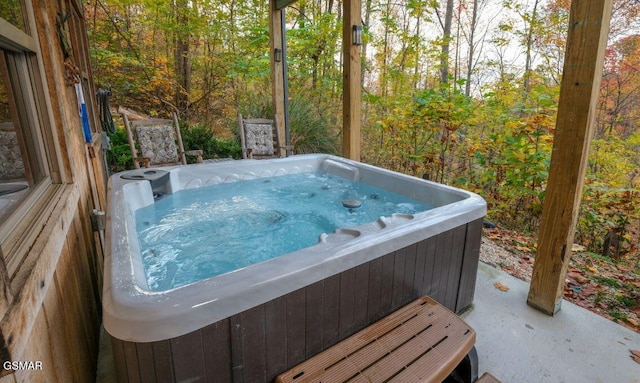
[(277, 55), (357, 35)]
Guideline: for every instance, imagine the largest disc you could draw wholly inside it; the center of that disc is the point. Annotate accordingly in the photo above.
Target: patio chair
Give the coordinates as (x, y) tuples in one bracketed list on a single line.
[(260, 138), (157, 142)]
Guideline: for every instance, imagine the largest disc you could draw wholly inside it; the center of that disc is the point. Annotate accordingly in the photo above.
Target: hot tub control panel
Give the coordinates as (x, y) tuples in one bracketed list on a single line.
[(158, 178)]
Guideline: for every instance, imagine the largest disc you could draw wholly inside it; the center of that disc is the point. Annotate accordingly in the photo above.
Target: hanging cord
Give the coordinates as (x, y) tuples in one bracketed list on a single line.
[(108, 129), (106, 120)]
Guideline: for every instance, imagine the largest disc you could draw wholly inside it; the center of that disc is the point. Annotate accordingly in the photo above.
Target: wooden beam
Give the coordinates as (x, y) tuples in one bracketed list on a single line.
[(584, 56), (351, 98), (277, 69), (280, 4)]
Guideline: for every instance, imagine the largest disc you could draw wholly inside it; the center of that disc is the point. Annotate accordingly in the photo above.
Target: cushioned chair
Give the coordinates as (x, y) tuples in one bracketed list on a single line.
[(259, 138), (157, 142)]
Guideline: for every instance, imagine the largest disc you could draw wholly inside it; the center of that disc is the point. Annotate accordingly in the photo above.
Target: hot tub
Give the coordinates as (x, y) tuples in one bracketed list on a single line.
[(251, 324)]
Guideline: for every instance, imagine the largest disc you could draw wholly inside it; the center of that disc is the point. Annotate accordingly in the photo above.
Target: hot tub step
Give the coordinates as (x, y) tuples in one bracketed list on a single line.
[(488, 378), (421, 342)]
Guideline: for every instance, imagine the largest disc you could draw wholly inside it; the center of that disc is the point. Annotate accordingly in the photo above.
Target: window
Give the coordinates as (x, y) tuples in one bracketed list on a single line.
[(30, 175), (19, 147), (11, 11)]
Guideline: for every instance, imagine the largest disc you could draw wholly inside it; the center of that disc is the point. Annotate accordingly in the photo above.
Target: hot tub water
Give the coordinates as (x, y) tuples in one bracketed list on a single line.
[(199, 233)]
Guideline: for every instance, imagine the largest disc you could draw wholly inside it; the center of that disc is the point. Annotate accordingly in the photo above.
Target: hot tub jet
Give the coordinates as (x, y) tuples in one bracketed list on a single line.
[(351, 203)]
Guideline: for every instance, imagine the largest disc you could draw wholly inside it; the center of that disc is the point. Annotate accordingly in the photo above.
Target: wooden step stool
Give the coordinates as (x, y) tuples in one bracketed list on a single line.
[(421, 342)]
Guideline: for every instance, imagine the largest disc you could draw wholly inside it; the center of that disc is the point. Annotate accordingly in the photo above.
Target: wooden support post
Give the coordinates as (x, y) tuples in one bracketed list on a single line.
[(277, 69), (351, 103), (584, 56)]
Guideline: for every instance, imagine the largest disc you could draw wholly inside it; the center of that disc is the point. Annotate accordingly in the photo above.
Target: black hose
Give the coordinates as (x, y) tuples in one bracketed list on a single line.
[(106, 119)]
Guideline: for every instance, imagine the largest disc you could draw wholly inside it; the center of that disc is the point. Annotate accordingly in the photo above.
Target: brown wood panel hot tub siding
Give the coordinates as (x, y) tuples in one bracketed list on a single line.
[(262, 342)]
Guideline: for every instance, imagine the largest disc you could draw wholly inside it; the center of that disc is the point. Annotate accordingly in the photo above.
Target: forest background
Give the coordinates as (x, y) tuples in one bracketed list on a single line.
[(462, 92)]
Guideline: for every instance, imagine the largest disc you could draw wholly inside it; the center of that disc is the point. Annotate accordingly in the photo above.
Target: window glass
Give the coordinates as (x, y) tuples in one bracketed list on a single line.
[(14, 184), (11, 11)]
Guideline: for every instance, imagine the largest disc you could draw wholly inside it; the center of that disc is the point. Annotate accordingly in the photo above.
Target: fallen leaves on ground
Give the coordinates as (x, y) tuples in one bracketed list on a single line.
[(512, 240), (635, 355), (606, 287), (501, 287), (576, 276)]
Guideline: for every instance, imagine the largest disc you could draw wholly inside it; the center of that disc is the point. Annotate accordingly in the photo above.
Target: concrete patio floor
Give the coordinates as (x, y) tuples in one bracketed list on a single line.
[(519, 344)]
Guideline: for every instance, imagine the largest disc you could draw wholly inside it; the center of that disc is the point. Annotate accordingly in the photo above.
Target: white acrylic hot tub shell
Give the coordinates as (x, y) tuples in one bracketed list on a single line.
[(133, 313)]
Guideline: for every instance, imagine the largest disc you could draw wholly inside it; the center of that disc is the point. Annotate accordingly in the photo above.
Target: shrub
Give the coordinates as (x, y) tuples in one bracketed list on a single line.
[(200, 137), (119, 157)]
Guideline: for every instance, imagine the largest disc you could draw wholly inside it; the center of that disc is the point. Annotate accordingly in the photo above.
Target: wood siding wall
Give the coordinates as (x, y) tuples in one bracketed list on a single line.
[(64, 334), (260, 343), (53, 315)]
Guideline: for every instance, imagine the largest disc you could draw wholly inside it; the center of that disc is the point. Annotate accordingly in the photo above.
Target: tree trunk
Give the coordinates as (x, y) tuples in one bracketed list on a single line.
[(182, 57), (456, 63), (446, 42), (474, 21), (385, 52), (367, 18), (416, 68), (529, 45)]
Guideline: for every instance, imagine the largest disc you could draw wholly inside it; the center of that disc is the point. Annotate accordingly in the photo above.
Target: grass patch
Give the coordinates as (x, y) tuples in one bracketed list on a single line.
[(626, 301), (599, 257), (607, 281), (617, 316)]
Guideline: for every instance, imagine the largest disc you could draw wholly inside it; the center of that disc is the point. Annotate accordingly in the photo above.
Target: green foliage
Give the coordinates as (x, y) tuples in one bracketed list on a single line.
[(617, 316), (605, 160), (120, 154), (611, 198), (514, 148), (421, 138), (499, 147), (10, 11), (605, 209), (310, 127), (626, 301), (200, 137), (607, 281)]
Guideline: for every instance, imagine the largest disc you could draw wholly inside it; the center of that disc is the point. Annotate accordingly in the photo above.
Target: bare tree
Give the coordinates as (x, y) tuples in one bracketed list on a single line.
[(446, 41), (182, 55), (472, 35), (531, 20)]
